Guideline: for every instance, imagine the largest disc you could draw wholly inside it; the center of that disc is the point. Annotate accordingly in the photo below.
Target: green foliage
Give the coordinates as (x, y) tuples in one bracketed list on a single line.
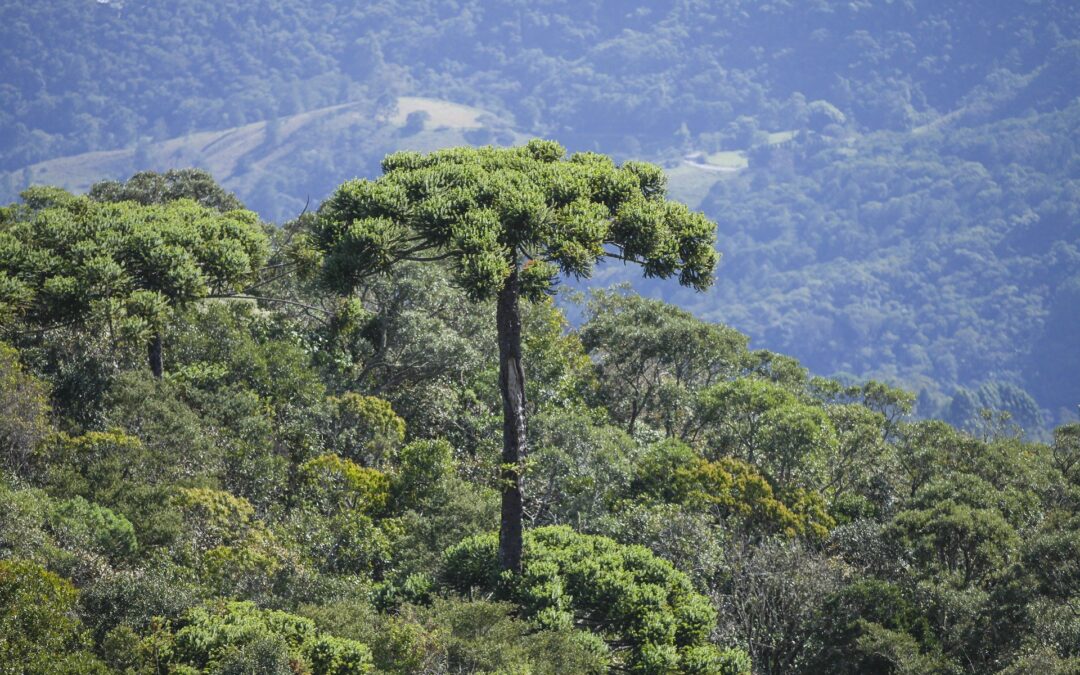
[(78, 523), (1042, 661), (858, 616), (107, 467), (963, 543), (121, 267), (623, 594), (249, 376), (23, 514), (458, 635), (482, 637), (862, 462), (237, 637), (731, 661), (138, 600), (483, 208), (458, 509), (24, 411), (1053, 557), (423, 468), (233, 552), (577, 468), (415, 335), (794, 442), (149, 187), (651, 357), (214, 518), (364, 429), (728, 488), (1066, 451), (126, 261), (560, 372), (804, 520), (38, 632), (347, 542), (895, 651), (336, 484), (739, 409), (339, 656)]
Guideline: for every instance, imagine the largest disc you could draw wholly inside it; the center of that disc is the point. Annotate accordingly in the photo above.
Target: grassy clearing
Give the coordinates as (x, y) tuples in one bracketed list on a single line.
[(778, 137), (691, 185), (442, 113), (223, 152), (728, 159)]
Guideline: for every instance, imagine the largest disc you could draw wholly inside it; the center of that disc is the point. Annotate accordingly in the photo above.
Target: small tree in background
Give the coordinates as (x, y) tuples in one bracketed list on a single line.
[(509, 221), (150, 187)]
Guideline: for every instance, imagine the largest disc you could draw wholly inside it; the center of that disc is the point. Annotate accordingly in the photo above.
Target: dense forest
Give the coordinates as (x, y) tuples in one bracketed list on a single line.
[(216, 457), (895, 182), (963, 266), (350, 403), (83, 75)]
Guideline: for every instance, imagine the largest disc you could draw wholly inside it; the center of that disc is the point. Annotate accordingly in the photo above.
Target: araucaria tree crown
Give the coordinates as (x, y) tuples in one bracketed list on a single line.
[(488, 210)]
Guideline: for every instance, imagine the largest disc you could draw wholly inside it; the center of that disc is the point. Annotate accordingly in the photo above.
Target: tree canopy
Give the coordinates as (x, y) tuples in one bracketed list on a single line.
[(66, 259), (484, 209), (320, 492)]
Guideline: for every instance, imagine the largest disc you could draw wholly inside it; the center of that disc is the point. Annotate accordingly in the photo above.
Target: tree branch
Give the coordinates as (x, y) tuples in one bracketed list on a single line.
[(263, 282), (283, 301)]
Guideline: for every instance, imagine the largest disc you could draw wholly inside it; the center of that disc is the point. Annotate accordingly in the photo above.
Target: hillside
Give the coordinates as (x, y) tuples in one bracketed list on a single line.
[(873, 166), (209, 465), (245, 158), (928, 258)]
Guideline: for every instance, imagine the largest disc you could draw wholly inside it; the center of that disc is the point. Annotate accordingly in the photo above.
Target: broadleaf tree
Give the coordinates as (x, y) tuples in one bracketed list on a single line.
[(509, 221)]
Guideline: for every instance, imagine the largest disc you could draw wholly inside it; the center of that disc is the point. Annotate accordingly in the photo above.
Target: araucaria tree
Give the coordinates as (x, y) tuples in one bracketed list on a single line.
[(509, 221), (68, 260)]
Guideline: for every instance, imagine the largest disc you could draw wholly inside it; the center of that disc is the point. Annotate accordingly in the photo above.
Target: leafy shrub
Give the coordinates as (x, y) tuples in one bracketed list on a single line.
[(728, 488), (624, 594), (334, 484), (38, 628), (365, 428), (348, 542), (239, 637), (214, 518), (24, 407), (92, 527), (423, 465)]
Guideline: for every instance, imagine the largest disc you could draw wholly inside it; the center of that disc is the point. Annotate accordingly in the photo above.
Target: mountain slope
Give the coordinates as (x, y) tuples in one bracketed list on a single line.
[(245, 158)]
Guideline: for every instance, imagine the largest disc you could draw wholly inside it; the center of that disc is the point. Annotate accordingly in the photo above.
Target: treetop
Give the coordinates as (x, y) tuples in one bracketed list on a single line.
[(60, 254), (491, 211)]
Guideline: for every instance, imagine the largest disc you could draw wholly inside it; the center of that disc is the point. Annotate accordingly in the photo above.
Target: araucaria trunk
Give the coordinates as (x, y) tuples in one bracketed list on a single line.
[(153, 351), (512, 385)]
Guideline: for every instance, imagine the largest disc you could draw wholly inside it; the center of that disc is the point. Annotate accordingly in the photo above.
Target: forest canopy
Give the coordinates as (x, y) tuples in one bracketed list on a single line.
[(310, 362), (314, 483)]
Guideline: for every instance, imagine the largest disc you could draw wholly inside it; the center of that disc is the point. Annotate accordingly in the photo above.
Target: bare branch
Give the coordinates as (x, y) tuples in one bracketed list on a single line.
[(283, 301)]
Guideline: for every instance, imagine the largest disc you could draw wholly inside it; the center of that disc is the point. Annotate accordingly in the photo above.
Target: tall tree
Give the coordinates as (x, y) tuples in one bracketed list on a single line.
[(509, 221)]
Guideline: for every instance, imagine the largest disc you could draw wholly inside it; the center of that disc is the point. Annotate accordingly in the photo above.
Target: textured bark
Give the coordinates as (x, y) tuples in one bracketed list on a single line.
[(153, 351), (512, 386)]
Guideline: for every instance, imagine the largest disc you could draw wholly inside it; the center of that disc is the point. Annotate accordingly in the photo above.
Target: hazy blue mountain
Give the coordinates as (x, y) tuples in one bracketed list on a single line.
[(895, 182)]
